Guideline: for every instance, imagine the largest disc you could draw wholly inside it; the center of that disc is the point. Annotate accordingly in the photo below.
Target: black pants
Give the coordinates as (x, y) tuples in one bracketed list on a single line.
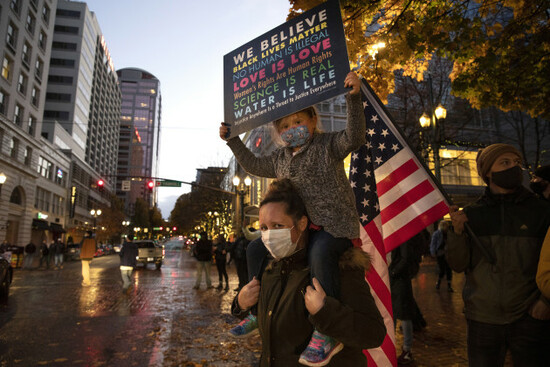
[(222, 272), (444, 268), (242, 271), (527, 339)]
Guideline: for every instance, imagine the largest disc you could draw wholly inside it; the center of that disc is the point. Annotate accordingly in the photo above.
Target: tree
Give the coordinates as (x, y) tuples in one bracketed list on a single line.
[(141, 214), (500, 50), (111, 219)]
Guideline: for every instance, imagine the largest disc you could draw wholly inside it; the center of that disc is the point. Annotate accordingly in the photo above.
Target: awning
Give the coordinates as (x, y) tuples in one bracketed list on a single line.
[(57, 228), (40, 225)]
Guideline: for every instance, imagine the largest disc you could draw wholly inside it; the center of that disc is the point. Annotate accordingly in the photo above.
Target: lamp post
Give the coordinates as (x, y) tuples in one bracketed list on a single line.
[(3, 179), (95, 213), (241, 188), (433, 122)]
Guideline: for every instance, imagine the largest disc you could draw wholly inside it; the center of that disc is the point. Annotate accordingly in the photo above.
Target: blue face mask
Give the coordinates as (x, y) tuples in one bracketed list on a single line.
[(296, 136)]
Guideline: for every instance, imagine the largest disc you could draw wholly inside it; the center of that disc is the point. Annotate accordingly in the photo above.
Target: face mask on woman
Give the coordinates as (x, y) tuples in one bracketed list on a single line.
[(295, 136), (510, 178), (278, 242)]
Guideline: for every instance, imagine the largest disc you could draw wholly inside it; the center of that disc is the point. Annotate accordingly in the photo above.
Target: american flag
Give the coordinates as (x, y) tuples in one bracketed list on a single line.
[(396, 198)]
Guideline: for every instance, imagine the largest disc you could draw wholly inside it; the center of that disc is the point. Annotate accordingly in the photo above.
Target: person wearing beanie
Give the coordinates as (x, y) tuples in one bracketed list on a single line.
[(504, 308), (540, 182)]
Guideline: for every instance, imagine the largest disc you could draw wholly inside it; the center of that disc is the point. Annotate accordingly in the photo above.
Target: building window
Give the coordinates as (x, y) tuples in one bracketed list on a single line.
[(46, 14), (35, 95), (18, 115), (60, 177), (14, 147), (62, 62), (11, 36), (31, 22), (57, 115), (42, 199), (60, 79), (15, 5), (38, 68), (65, 29), (3, 102), (45, 167), (31, 126), (7, 67), (58, 97), (22, 83), (57, 205), (26, 54), (34, 4), (64, 46), (67, 13), (42, 39), (28, 156)]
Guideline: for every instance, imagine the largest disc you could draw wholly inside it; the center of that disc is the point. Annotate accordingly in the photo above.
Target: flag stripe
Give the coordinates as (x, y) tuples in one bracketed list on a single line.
[(412, 212), (375, 236), (401, 204), (395, 177), (415, 226)]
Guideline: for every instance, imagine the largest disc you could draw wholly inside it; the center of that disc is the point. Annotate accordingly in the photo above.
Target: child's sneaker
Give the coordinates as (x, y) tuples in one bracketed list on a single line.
[(320, 350), (247, 327), (405, 358)]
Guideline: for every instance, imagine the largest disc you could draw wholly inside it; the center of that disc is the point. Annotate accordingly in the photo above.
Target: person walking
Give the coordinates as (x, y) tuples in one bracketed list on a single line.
[(128, 254), (403, 267), (58, 249), (437, 250), (44, 255), (30, 249), (239, 256), (503, 306), (203, 254), (220, 255), (87, 252)]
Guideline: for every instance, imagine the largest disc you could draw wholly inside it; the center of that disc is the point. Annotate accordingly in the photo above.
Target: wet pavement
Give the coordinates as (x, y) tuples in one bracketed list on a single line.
[(50, 319)]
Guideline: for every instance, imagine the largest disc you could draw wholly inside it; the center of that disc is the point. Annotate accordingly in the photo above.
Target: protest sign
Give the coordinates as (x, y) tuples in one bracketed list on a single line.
[(301, 62)]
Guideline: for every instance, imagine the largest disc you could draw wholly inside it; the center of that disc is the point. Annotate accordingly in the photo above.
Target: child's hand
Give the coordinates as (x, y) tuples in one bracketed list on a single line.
[(248, 296), (315, 297), (352, 81), (224, 131)]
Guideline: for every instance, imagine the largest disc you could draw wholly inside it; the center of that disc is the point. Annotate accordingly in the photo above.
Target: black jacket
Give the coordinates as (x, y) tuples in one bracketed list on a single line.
[(512, 227), (128, 254), (203, 250)]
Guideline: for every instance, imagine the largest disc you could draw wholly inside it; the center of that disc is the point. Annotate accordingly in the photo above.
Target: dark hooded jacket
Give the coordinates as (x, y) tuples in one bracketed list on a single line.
[(286, 327), (512, 227)]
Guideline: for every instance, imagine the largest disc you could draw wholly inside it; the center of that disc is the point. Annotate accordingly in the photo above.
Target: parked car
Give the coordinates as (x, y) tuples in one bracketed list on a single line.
[(6, 276), (150, 252), (73, 251)]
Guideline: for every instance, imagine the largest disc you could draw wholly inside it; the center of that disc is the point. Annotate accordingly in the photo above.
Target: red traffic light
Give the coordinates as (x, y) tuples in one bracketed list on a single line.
[(150, 185), (100, 184)]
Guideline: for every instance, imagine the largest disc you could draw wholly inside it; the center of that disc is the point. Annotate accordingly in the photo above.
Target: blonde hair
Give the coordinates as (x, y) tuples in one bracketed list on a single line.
[(311, 111)]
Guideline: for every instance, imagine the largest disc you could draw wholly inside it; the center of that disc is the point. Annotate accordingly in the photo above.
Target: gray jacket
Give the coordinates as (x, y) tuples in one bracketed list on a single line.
[(317, 171)]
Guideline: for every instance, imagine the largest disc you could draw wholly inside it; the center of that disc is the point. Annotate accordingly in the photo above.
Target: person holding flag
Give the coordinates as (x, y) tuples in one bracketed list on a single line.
[(504, 308), (313, 161)]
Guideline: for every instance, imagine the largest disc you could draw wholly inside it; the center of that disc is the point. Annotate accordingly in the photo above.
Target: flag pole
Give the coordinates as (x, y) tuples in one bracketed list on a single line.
[(367, 90)]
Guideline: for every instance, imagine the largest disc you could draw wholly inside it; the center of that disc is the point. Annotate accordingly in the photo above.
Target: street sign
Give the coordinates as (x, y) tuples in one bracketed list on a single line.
[(169, 183), (126, 184)]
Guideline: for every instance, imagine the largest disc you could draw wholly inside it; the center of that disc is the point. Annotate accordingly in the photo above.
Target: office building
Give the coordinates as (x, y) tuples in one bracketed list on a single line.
[(138, 150)]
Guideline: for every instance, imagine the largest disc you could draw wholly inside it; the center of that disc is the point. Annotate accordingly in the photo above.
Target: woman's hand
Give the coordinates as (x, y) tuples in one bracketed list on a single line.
[(315, 297), (224, 131), (458, 217), (352, 81), (248, 296)]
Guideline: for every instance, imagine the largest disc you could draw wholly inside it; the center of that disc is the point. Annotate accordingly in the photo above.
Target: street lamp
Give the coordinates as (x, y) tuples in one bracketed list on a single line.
[(3, 179), (95, 213), (241, 188)]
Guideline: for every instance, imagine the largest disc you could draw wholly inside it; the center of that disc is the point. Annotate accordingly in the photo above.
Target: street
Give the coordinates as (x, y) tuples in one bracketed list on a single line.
[(50, 319)]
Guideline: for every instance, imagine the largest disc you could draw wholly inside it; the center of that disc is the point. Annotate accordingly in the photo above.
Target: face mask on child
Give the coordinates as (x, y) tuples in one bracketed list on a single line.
[(278, 242), (296, 136)]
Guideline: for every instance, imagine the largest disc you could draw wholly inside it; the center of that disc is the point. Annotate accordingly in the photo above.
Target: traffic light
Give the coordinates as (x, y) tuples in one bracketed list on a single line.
[(150, 185), (100, 184)]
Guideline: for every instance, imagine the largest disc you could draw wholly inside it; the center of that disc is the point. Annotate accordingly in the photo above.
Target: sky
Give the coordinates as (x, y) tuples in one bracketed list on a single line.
[(182, 43)]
